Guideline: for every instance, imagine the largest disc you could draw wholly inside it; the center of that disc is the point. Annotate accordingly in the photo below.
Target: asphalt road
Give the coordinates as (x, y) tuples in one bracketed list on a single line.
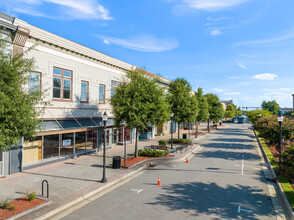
[(223, 180)]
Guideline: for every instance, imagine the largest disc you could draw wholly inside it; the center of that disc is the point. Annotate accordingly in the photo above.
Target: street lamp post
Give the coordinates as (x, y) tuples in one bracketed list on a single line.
[(208, 123), (259, 115), (104, 118), (172, 130), (196, 127), (280, 120)]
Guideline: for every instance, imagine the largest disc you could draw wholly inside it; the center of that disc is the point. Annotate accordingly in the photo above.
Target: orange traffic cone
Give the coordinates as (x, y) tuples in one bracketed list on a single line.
[(158, 183), (187, 161)]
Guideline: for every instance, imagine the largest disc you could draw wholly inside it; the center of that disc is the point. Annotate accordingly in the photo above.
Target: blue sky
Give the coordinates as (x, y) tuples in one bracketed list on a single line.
[(238, 49)]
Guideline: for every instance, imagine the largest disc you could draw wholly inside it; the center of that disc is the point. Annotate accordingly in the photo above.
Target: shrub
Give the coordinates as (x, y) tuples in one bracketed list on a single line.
[(5, 205), (162, 142), (152, 153), (12, 207), (31, 196), (180, 141)]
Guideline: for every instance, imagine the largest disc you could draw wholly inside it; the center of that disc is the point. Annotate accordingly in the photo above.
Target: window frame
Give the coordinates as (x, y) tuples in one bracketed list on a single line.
[(62, 77), (40, 82), (87, 82), (103, 94), (113, 87)]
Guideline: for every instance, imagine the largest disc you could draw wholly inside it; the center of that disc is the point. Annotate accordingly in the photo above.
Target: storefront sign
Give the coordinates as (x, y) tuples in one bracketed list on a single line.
[(66, 142)]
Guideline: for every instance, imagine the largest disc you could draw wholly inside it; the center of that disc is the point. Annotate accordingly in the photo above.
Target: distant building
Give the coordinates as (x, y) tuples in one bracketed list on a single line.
[(226, 103)]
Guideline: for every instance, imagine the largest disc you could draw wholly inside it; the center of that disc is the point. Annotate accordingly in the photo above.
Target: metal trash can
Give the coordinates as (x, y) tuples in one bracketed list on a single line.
[(184, 136), (116, 161)]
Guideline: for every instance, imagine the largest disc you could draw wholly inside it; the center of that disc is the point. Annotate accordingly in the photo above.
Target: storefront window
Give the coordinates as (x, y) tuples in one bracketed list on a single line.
[(115, 135), (92, 139), (32, 150), (66, 146), (51, 146), (80, 142)]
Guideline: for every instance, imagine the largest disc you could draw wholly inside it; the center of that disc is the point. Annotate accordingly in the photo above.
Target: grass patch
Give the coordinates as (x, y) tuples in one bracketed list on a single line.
[(287, 189)]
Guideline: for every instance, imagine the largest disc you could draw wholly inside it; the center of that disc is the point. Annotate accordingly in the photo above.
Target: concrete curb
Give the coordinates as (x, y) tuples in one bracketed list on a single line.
[(63, 207), (30, 210), (280, 189)]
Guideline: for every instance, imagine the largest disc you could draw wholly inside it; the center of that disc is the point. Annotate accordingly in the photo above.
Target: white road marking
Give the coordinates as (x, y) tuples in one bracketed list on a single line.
[(137, 190), (242, 167), (244, 210)]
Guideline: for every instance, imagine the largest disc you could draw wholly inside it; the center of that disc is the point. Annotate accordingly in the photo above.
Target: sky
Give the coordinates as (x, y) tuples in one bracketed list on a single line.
[(238, 49)]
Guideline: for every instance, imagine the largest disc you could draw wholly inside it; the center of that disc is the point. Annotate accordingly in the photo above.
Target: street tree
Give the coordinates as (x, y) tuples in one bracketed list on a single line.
[(180, 101), (203, 106), (232, 108), (18, 115), (271, 106), (139, 101), (215, 108), (254, 115), (229, 114)]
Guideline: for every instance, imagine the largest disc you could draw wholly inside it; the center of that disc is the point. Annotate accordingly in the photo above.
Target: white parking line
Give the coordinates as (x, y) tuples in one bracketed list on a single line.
[(245, 210), (137, 190)]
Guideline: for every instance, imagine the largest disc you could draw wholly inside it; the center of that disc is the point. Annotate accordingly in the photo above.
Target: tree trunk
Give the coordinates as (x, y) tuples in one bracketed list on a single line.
[(179, 130), (136, 144)]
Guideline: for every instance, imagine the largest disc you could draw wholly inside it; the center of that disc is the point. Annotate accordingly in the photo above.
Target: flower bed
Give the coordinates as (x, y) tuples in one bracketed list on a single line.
[(21, 205)]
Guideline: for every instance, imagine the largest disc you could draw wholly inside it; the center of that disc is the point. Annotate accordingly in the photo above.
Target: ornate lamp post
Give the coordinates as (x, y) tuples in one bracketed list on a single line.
[(208, 123), (172, 130), (280, 120), (196, 127), (104, 118), (259, 115)]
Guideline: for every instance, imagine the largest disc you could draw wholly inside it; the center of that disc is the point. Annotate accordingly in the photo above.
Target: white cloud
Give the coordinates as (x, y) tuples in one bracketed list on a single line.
[(218, 90), (277, 90), (242, 66), (232, 93), (215, 32), (265, 76), (144, 43), (213, 5), (287, 36), (216, 19), (60, 9), (106, 42)]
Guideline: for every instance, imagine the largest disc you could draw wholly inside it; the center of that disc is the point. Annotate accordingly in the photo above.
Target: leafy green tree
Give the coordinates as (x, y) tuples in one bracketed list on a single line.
[(253, 115), (239, 112), (139, 101), (229, 114), (18, 115), (203, 106), (215, 108), (232, 108), (271, 106), (180, 100)]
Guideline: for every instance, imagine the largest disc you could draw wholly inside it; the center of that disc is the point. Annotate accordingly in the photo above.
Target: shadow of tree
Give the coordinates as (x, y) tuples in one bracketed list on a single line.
[(234, 140), (197, 198), (228, 155), (232, 146)]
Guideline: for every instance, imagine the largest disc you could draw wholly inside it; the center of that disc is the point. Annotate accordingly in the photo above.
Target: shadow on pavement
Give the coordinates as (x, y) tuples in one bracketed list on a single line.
[(210, 199), (228, 155), (227, 146)]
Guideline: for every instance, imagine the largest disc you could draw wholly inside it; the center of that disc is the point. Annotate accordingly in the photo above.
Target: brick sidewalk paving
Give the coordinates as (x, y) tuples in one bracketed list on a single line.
[(69, 179)]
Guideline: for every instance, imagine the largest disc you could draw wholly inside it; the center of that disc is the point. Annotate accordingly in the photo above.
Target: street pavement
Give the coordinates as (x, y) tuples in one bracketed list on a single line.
[(224, 180), (70, 179)]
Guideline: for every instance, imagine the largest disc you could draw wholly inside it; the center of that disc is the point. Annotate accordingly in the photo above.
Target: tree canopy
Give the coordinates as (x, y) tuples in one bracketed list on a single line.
[(180, 100), (253, 115), (271, 106), (215, 108), (139, 101), (203, 106), (18, 115)]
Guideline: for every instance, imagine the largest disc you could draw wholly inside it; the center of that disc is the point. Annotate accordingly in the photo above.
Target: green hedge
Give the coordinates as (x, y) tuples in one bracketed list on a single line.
[(162, 143), (153, 153), (180, 141)]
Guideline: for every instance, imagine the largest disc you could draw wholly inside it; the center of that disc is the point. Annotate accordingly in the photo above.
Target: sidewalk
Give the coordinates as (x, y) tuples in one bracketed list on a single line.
[(71, 179)]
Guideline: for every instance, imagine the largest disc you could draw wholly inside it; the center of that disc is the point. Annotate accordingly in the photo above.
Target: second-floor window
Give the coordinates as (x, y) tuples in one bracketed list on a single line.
[(84, 91), (62, 84), (114, 85), (101, 93), (35, 83)]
